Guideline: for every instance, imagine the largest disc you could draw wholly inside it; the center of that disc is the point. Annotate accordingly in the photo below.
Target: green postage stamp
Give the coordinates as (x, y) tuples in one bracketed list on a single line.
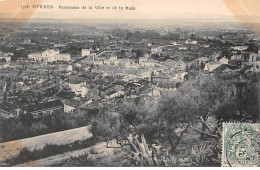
[(240, 144)]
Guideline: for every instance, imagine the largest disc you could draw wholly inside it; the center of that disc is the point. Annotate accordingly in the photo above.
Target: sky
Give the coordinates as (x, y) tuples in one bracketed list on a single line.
[(145, 9)]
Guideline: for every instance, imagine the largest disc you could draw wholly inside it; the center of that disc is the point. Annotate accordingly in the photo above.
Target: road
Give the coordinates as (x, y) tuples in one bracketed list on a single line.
[(101, 149), (11, 149)]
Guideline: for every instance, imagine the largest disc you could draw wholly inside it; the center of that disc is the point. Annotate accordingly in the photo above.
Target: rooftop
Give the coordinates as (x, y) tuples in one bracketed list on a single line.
[(7, 107), (45, 105)]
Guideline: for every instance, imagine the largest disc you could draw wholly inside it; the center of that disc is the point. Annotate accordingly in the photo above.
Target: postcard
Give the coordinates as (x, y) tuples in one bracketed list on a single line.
[(129, 83)]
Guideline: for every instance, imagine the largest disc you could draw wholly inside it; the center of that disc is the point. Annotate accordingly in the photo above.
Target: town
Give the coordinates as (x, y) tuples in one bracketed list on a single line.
[(109, 67), (65, 69)]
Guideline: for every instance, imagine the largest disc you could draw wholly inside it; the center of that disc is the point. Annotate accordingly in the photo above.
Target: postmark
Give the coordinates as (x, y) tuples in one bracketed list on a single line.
[(240, 145)]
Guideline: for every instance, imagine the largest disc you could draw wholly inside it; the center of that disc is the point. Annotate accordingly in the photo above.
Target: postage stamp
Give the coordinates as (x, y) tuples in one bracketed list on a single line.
[(240, 145)]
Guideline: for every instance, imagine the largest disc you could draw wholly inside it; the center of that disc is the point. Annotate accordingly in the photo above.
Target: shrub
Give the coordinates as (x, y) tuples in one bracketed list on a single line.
[(92, 150), (204, 155)]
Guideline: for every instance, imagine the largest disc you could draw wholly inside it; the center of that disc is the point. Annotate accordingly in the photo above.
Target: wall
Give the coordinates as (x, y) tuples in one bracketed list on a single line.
[(11, 149)]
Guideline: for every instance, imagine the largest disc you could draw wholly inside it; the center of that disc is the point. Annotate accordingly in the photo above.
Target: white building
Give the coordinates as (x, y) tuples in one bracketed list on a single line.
[(174, 43), (182, 48), (148, 63), (223, 61), (85, 52), (236, 57), (6, 56), (156, 50), (114, 94), (68, 108), (49, 56), (79, 89), (70, 68), (143, 59), (210, 66)]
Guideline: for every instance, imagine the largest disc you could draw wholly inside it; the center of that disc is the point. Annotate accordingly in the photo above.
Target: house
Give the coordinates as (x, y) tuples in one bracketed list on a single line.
[(6, 56), (148, 63), (182, 48), (133, 66), (46, 108), (69, 108), (174, 43), (79, 89), (180, 65), (9, 110), (223, 60), (236, 57), (240, 48), (114, 94), (98, 62), (191, 42), (113, 58), (144, 74), (251, 58), (205, 46), (200, 60), (156, 50), (86, 68), (58, 45), (69, 68), (210, 66), (85, 52), (143, 59), (155, 92), (182, 75), (125, 62), (225, 68)]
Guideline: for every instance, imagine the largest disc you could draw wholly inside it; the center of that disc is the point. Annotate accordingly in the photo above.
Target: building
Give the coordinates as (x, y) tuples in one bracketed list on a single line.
[(182, 48), (85, 52), (180, 65), (154, 50), (114, 94), (210, 66), (79, 89), (240, 48), (49, 56), (6, 56), (144, 74), (46, 108), (69, 108), (69, 68), (125, 62), (223, 60), (148, 63), (236, 57), (111, 61), (251, 59), (143, 59), (9, 110)]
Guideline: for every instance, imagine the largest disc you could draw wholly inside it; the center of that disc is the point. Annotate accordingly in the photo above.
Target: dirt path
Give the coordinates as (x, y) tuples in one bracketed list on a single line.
[(52, 160), (12, 149)]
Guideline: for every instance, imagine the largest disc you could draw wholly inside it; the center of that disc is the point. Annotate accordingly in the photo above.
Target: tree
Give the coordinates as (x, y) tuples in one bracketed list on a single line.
[(175, 114), (105, 126), (26, 119), (38, 128), (202, 65), (3, 60), (226, 97), (193, 36)]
